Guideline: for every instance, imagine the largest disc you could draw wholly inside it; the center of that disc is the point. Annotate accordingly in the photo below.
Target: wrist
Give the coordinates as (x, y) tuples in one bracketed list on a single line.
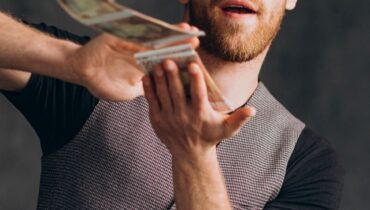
[(59, 63), (198, 182), (196, 159), (203, 167)]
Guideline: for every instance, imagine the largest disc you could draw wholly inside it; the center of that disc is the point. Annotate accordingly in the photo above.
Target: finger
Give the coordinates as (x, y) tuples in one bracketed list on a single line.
[(194, 28), (161, 87), (175, 85), (150, 95), (184, 26), (187, 27), (194, 41), (238, 119), (198, 88)]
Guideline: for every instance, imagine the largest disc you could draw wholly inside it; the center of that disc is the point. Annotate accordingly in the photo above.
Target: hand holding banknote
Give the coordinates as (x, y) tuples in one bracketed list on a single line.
[(189, 128), (135, 27), (107, 68)]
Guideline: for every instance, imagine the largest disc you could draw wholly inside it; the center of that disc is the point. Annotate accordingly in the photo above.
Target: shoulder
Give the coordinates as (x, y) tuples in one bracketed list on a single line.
[(314, 177), (311, 147), (57, 110)]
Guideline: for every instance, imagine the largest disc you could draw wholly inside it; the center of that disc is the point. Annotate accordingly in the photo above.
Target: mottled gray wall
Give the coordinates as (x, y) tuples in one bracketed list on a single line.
[(318, 67)]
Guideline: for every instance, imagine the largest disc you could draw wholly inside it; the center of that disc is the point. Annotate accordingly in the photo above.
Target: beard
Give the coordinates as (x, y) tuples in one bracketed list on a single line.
[(229, 40)]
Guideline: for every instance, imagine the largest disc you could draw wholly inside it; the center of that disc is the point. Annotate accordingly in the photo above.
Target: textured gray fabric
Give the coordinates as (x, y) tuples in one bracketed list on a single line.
[(117, 162)]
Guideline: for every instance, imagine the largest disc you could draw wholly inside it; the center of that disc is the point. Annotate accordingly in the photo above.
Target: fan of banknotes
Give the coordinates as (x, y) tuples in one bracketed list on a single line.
[(110, 17)]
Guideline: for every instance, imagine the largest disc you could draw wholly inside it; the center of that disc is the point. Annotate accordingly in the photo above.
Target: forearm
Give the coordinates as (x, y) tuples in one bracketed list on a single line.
[(199, 184), (191, 130), (24, 48)]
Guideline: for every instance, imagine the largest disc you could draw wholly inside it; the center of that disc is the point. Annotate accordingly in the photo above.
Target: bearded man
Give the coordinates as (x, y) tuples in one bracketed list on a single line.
[(164, 150)]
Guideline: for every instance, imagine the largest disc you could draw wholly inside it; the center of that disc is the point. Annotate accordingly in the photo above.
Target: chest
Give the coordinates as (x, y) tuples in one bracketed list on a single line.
[(117, 161)]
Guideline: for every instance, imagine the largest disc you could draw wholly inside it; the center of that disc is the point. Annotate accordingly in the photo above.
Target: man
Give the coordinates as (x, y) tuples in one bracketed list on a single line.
[(183, 154)]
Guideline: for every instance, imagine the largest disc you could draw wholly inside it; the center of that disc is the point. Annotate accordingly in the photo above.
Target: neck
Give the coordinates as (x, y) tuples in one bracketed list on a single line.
[(236, 81)]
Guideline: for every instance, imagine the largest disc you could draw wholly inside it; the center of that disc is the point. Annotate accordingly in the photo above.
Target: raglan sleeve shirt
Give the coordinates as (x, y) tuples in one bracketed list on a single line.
[(57, 110)]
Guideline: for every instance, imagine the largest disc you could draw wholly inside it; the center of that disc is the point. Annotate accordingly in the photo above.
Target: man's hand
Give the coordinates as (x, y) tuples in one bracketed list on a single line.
[(106, 66), (188, 128), (191, 130)]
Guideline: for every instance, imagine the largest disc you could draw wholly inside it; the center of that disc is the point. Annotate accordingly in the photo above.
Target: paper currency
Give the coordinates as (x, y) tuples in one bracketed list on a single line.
[(86, 9), (183, 55), (111, 17)]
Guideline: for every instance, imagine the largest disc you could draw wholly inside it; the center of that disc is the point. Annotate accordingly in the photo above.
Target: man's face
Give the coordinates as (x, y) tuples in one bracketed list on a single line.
[(237, 30)]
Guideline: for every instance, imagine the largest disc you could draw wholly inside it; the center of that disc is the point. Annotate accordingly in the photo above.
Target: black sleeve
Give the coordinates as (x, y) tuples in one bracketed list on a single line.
[(314, 177), (57, 110)]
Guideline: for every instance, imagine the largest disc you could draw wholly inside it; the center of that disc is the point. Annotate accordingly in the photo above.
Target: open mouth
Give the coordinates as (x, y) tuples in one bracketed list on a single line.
[(238, 9)]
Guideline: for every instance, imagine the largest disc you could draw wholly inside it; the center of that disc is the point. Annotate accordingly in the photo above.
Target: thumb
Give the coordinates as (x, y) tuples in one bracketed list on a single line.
[(237, 119)]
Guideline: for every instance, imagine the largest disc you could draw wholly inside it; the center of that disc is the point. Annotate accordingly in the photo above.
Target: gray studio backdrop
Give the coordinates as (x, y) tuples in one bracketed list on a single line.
[(318, 67)]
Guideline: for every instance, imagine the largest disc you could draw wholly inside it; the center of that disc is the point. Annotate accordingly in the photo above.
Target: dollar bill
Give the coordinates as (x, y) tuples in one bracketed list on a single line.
[(183, 55), (113, 18)]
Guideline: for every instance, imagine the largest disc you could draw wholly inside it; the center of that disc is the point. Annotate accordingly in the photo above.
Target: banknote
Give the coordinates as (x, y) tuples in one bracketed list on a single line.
[(111, 17), (183, 55), (86, 9), (131, 25)]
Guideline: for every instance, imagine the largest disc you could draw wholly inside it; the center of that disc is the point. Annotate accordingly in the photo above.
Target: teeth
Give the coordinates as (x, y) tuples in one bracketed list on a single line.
[(238, 9), (236, 6)]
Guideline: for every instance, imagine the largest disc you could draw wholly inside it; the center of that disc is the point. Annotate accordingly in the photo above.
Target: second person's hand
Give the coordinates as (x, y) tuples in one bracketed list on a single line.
[(107, 68)]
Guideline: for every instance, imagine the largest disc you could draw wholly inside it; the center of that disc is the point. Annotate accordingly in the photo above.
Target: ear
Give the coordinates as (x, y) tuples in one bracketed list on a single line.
[(290, 4)]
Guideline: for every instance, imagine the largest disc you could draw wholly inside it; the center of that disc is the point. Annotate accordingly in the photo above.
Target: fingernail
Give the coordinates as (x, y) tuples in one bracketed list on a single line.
[(194, 68), (170, 65), (185, 26)]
